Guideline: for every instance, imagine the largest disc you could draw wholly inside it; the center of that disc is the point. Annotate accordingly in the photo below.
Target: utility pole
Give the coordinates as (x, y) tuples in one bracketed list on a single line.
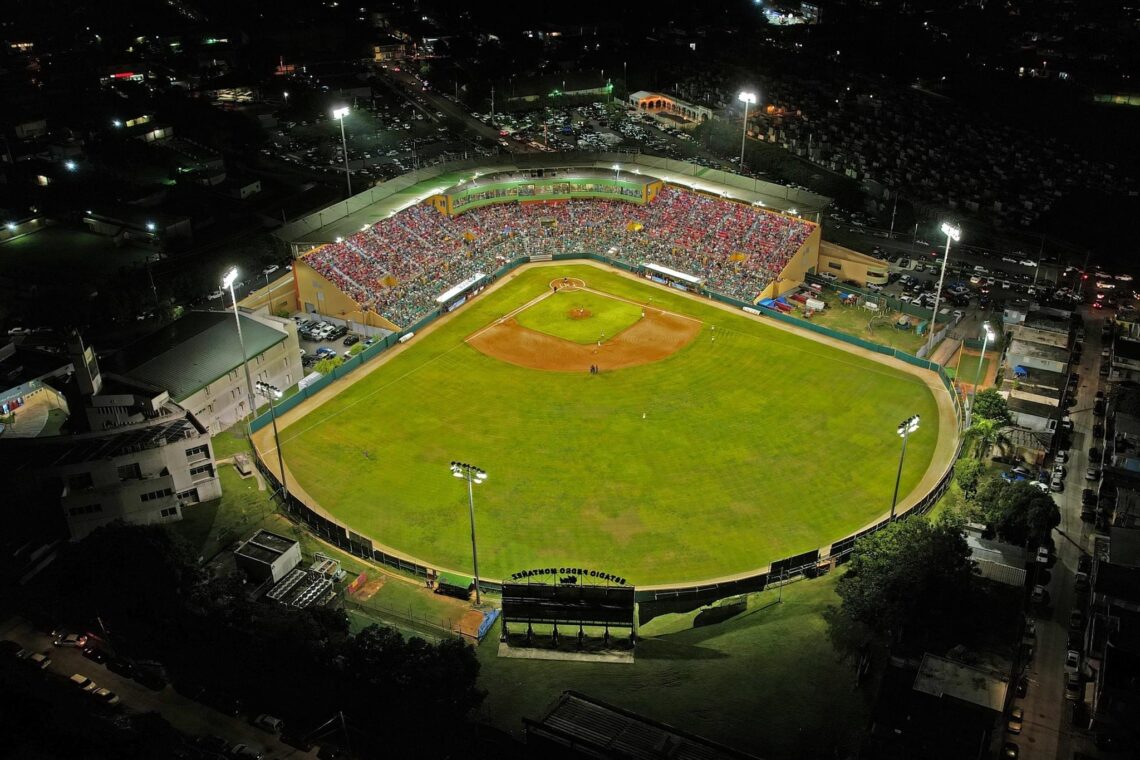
[(492, 105), (893, 211)]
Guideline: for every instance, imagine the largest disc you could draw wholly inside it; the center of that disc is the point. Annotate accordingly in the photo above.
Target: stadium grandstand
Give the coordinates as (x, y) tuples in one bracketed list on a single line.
[(417, 245)]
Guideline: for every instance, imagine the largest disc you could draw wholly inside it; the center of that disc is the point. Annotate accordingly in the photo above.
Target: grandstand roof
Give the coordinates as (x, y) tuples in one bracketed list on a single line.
[(194, 351), (388, 197)]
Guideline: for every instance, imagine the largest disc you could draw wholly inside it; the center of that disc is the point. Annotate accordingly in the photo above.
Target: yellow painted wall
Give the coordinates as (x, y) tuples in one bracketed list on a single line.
[(847, 264), (331, 301), (652, 189), (792, 276)]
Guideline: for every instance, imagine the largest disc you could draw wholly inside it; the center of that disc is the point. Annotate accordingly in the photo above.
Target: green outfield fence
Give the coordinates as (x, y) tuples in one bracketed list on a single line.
[(655, 600)]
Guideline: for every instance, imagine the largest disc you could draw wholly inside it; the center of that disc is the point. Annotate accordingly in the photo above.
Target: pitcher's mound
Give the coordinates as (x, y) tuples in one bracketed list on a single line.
[(580, 313)]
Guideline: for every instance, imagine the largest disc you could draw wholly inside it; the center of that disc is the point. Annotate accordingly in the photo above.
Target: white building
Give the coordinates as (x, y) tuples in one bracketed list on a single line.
[(132, 455), (199, 361)]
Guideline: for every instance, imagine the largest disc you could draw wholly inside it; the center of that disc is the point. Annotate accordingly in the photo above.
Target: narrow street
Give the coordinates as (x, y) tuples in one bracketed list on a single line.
[(1048, 733), (185, 715)]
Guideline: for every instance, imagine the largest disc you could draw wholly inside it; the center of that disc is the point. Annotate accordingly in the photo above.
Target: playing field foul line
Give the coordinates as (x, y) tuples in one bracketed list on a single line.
[(508, 315), (639, 303)]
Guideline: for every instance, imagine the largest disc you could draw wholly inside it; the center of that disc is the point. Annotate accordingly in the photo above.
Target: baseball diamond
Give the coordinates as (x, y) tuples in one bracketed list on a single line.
[(710, 442)]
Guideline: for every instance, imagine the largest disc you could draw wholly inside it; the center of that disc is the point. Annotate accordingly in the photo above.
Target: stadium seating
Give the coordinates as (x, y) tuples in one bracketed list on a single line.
[(399, 265)]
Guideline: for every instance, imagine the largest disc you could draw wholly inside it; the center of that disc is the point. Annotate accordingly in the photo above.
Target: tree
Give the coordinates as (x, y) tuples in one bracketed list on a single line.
[(967, 473), (984, 433), (914, 572), (991, 405), (1018, 513), (325, 366)]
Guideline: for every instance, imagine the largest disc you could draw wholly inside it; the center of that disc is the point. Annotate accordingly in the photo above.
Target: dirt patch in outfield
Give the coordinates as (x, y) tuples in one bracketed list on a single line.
[(654, 337)]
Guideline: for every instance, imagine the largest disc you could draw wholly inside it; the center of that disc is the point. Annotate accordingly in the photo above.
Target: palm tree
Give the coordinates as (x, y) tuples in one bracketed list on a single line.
[(984, 433)]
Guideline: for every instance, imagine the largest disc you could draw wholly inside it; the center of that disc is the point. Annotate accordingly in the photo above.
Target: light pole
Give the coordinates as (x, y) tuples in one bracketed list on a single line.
[(617, 171), (952, 233), (747, 98), (272, 393), (986, 338), (340, 114), (228, 282), (906, 427), (472, 475), (286, 94)]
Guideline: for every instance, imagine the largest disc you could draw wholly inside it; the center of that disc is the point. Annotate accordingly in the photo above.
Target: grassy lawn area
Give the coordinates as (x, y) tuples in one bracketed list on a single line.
[(580, 316), (766, 681), (968, 367), (739, 426), (213, 525), (67, 254), (854, 320)]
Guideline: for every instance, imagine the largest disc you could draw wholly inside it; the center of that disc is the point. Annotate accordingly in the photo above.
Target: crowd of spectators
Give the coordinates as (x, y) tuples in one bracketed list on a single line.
[(398, 266)]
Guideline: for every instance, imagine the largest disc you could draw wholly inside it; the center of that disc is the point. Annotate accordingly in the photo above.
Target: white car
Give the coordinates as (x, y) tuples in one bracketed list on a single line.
[(106, 696), (1072, 661), (1028, 263), (1043, 555), (215, 295), (83, 682), (270, 269), (1042, 487)]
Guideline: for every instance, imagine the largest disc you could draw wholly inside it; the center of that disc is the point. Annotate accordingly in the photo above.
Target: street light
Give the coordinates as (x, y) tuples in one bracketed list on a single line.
[(952, 233), (472, 475), (748, 99), (272, 393), (228, 282), (70, 165), (906, 427), (986, 338), (339, 114)]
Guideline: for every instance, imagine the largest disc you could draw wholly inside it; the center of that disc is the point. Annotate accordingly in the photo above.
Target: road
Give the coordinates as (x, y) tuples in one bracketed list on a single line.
[(187, 716), (1048, 733)]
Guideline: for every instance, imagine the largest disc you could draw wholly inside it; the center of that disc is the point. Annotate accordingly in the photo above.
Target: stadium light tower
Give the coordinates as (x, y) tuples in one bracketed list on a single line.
[(472, 475), (748, 99), (986, 338), (952, 233), (228, 282), (906, 427), (617, 171), (340, 114), (272, 393)]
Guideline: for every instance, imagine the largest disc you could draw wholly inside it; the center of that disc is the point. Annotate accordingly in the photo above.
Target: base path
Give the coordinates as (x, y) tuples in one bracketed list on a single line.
[(654, 337)]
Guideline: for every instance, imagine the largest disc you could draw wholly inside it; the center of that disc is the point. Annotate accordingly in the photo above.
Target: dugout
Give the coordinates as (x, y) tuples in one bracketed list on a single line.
[(569, 604)]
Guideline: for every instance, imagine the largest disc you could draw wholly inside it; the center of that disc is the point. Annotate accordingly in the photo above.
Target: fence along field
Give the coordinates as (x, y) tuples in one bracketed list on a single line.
[(727, 455)]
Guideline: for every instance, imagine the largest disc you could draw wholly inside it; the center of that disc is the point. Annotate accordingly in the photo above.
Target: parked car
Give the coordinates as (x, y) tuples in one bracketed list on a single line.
[(269, 723), (1088, 497), (95, 654), (105, 696), (121, 666), (1043, 555), (1072, 685), (1013, 725), (70, 640), (1076, 620), (1062, 457), (38, 660), (1092, 473), (1040, 595), (83, 682), (1072, 661), (1057, 482), (1010, 751), (248, 751), (352, 339), (1022, 687)]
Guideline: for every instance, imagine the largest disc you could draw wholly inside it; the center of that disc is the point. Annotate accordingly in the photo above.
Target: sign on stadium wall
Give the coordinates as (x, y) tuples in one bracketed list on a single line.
[(569, 575)]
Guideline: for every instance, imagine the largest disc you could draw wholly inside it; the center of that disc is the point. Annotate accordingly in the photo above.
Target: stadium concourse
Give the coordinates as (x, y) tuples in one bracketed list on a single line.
[(398, 266)]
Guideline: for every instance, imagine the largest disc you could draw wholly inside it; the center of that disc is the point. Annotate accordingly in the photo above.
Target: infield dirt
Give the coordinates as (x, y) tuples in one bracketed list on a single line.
[(654, 337)]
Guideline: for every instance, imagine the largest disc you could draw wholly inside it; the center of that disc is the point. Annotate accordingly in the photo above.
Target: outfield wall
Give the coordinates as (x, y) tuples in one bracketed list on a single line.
[(652, 600)]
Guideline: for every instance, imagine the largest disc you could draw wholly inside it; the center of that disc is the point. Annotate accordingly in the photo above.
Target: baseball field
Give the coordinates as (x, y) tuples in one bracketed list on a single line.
[(708, 443)]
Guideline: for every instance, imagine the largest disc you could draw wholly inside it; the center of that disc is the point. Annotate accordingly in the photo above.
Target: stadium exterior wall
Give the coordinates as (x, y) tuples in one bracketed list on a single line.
[(652, 600)]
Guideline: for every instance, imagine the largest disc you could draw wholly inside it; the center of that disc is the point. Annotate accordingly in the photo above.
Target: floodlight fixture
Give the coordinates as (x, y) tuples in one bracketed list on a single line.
[(952, 231), (230, 277), (340, 113)]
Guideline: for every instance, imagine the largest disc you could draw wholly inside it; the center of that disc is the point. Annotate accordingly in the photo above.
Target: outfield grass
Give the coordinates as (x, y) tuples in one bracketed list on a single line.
[(555, 315), (730, 454), (766, 681)]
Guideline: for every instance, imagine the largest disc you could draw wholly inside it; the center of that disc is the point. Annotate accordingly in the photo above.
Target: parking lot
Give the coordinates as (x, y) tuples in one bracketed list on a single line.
[(321, 339)]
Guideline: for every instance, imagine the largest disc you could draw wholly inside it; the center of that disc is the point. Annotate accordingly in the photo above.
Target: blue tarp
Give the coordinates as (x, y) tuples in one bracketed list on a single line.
[(1020, 371)]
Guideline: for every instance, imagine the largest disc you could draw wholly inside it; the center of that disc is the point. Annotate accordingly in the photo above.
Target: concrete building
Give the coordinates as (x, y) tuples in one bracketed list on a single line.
[(267, 556), (1125, 360), (1033, 415), (996, 561), (129, 453), (198, 359), (657, 103), (1037, 356)]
